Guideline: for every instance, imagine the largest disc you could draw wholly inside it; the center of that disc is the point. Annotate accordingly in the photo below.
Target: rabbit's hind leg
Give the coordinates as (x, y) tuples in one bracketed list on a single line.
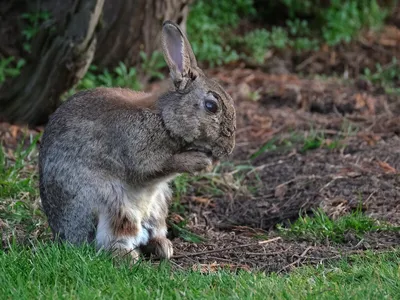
[(75, 225), (120, 234), (156, 226)]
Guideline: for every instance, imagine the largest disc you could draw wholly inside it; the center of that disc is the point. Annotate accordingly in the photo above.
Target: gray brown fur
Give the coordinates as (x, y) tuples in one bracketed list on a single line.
[(108, 154)]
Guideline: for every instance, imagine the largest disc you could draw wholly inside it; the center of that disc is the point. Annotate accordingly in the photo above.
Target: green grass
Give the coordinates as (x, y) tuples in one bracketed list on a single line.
[(387, 77), (19, 210), (316, 140), (151, 68), (61, 272), (120, 76), (32, 23), (319, 227), (14, 178), (307, 141), (306, 25), (9, 67)]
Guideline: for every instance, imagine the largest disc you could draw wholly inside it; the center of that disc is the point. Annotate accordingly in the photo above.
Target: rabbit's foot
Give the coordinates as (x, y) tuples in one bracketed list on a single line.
[(161, 247), (120, 250), (190, 162)]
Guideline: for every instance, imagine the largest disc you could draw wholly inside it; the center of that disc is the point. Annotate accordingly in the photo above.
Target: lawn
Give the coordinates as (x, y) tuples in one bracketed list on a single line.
[(48, 271)]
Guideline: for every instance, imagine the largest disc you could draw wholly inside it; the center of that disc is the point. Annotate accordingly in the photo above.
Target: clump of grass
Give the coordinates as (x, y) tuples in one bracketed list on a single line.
[(317, 140), (269, 146), (10, 68), (15, 177), (387, 77), (180, 230), (308, 25), (210, 23), (19, 212), (152, 65), (305, 141), (320, 227), (33, 22), (120, 76), (123, 76)]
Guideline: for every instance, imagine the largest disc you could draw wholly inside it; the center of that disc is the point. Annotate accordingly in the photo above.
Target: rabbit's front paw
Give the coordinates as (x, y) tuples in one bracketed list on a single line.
[(191, 161)]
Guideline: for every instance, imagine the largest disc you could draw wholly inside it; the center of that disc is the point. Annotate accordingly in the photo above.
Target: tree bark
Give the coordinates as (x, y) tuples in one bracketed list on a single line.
[(59, 61), (133, 26)]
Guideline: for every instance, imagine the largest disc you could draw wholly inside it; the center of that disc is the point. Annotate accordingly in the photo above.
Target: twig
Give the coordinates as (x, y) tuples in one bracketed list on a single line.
[(330, 182), (259, 168), (226, 249), (217, 259), (370, 196), (305, 251), (266, 253), (297, 260), (176, 265), (306, 62)]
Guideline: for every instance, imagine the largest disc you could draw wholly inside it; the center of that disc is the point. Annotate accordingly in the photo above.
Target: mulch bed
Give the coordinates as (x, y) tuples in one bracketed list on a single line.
[(238, 250)]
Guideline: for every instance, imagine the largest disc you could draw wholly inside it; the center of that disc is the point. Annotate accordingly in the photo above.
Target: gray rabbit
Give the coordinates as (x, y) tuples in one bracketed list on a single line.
[(108, 154)]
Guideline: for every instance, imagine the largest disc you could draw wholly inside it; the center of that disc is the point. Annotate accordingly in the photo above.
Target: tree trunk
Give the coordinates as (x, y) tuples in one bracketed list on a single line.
[(133, 26), (60, 60)]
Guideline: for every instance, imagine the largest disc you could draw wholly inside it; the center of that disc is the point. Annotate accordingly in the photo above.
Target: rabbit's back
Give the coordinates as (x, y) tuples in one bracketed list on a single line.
[(90, 108)]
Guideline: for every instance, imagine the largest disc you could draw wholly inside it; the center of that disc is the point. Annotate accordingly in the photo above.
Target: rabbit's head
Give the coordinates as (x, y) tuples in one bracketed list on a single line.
[(198, 110)]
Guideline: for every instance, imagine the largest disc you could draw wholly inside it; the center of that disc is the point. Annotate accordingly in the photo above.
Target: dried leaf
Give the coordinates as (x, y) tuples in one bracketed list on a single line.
[(201, 200), (360, 101), (328, 142), (365, 101), (14, 131), (388, 42), (176, 218), (371, 104), (370, 138), (388, 169)]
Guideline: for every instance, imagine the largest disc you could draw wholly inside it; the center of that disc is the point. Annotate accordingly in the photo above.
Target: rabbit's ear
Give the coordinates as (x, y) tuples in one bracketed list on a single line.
[(178, 54)]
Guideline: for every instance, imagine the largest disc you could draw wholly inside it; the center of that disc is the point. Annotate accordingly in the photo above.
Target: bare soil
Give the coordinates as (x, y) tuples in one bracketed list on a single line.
[(362, 170), (225, 250)]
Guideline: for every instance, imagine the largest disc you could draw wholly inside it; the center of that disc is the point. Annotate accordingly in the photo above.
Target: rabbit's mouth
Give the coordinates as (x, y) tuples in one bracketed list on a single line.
[(201, 148)]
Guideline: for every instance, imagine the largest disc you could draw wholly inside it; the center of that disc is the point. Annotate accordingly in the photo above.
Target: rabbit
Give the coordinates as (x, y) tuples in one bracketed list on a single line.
[(107, 155)]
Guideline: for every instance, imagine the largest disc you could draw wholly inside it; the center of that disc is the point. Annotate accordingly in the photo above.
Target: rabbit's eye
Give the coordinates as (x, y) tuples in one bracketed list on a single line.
[(211, 106)]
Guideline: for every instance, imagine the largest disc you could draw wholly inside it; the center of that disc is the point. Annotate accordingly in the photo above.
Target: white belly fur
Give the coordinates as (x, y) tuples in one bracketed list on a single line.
[(138, 204)]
